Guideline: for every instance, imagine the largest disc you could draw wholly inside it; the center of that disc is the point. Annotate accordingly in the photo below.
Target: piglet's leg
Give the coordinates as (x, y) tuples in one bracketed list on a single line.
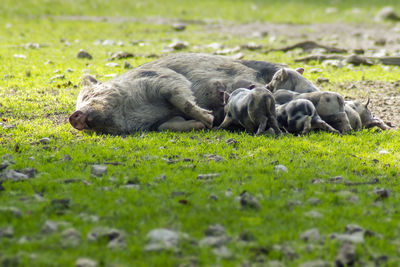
[(179, 124), (273, 123), (262, 126)]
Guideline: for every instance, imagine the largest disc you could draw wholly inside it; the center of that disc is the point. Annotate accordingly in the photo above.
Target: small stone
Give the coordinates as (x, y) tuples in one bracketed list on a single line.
[(228, 193), (311, 235), (318, 181), (14, 176), (231, 141), (127, 65), (7, 231), (66, 158), (316, 263), (222, 252), (248, 201), (60, 204), (207, 176), (30, 172), (103, 233), (346, 255), (214, 241), (117, 243), (334, 63), (99, 170), (336, 179), (353, 228), (20, 56), (178, 45), (215, 158), (57, 77), (383, 152), (358, 60), (121, 55), (316, 70), (357, 237), (313, 214), (313, 201), (289, 252), (49, 227), (215, 230), (322, 80), (353, 199), (11, 210), (162, 239), (88, 217), (280, 168), (112, 75), (252, 46), (213, 197), (275, 264), (387, 13), (4, 165), (85, 262), (45, 140), (131, 186), (179, 26), (84, 54), (381, 193), (112, 64), (70, 238)]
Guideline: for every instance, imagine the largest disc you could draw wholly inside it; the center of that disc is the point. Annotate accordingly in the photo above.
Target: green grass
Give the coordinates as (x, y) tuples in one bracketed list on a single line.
[(39, 107)]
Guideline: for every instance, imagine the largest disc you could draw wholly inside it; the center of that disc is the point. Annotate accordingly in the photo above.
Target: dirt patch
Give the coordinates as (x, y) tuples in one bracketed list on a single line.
[(384, 97), (371, 38)]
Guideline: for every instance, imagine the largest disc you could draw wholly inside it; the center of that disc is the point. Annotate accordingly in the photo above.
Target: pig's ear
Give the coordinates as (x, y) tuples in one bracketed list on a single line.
[(284, 75), (367, 103), (88, 80), (300, 70), (252, 86)]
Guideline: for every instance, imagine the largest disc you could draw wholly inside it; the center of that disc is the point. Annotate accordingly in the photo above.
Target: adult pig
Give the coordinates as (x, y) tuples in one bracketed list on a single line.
[(139, 100)]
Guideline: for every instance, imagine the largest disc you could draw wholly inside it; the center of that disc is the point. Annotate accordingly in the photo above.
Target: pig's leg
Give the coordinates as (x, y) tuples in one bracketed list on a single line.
[(179, 124), (181, 100), (377, 123), (227, 121), (273, 123), (306, 125), (262, 126), (320, 124)]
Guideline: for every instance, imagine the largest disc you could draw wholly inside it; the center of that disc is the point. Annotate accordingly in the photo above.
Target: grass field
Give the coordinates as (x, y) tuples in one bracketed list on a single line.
[(156, 180)]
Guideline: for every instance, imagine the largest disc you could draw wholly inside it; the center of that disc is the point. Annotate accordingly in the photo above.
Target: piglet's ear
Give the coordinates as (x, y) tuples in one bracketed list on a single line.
[(225, 97), (300, 70), (252, 86), (283, 75), (367, 103)]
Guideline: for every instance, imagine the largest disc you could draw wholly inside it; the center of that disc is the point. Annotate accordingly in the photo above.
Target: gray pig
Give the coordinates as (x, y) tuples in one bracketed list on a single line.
[(292, 80), (140, 100), (300, 116), (353, 116), (254, 109), (367, 119), (330, 107), (283, 96)]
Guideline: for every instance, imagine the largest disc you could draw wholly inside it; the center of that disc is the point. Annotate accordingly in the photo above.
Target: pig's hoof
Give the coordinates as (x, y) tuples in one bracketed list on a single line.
[(208, 120)]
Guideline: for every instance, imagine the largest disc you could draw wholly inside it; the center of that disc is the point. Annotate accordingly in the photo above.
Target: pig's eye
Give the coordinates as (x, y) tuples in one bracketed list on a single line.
[(229, 114)]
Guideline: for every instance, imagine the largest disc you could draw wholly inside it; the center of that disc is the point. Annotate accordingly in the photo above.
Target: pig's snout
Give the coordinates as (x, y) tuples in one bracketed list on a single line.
[(78, 120)]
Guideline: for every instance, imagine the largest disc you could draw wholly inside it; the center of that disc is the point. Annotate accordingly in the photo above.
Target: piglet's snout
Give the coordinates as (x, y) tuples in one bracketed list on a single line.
[(78, 120)]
